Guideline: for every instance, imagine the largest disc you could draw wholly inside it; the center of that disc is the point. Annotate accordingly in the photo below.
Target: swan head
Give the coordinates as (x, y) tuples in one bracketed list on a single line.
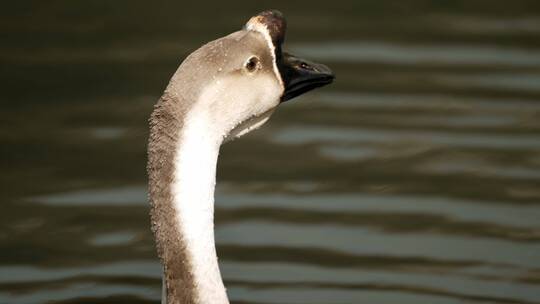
[(236, 82)]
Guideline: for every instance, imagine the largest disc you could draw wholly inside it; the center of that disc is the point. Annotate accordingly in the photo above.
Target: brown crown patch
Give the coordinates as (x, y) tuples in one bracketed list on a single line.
[(274, 22)]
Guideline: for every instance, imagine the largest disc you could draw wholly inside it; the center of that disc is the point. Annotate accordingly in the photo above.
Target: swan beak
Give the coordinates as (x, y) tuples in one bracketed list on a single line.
[(300, 75)]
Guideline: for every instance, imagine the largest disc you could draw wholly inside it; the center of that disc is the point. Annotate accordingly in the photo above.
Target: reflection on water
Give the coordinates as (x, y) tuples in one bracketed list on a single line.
[(419, 54), (108, 132), (313, 133), (113, 239), (414, 178)]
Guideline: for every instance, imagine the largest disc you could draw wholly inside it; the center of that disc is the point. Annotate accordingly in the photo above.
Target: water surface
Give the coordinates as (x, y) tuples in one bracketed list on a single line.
[(414, 178)]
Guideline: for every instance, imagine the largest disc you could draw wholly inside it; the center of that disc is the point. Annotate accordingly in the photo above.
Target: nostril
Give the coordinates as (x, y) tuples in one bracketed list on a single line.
[(305, 66)]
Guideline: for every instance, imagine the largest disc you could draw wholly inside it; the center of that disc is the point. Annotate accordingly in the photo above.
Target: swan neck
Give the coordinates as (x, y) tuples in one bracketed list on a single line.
[(183, 153), (193, 194)]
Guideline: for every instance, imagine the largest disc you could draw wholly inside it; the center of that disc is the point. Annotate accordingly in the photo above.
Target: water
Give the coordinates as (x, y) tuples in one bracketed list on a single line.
[(414, 178)]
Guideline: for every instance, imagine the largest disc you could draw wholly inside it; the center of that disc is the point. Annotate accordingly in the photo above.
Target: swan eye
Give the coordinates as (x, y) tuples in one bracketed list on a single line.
[(252, 64)]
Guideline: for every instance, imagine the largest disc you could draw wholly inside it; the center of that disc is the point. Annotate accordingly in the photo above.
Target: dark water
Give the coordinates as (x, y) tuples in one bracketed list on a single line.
[(415, 178)]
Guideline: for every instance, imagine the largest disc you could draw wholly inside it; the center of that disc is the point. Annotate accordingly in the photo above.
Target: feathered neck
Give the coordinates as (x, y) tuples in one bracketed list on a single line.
[(182, 159)]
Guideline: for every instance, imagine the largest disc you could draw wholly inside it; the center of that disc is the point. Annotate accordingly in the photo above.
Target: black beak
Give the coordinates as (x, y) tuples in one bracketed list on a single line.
[(300, 76)]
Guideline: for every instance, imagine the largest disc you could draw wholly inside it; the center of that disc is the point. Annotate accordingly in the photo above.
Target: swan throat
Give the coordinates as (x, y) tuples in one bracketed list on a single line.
[(193, 200)]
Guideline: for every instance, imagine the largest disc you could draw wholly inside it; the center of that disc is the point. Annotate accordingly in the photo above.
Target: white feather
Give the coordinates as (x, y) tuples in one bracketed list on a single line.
[(218, 111), (193, 192)]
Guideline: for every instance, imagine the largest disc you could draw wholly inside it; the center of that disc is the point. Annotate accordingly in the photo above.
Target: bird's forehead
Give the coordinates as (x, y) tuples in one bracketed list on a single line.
[(241, 45)]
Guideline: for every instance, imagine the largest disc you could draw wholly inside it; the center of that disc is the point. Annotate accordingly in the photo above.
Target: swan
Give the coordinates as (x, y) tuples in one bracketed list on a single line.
[(221, 91)]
